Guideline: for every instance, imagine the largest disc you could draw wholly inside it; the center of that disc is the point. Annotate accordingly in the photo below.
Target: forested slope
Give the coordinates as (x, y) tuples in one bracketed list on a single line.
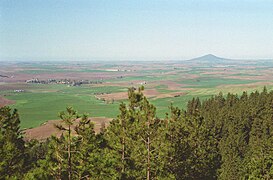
[(227, 137)]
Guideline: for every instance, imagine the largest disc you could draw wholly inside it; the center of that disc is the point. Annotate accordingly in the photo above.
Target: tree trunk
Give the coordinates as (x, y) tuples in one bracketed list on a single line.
[(59, 175), (148, 159), (148, 153), (123, 155), (69, 153)]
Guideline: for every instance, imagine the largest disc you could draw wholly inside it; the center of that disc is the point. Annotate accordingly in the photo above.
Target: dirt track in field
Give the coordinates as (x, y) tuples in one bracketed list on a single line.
[(5, 102), (48, 129)]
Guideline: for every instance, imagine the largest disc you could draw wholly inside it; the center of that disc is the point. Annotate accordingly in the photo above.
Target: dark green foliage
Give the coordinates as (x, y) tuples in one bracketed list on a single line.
[(194, 150), (118, 137), (88, 162), (12, 148), (243, 130), (137, 140), (74, 155), (223, 137)]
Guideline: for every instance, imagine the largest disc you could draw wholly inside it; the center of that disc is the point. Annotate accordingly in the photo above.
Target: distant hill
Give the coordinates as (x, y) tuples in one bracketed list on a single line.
[(210, 59)]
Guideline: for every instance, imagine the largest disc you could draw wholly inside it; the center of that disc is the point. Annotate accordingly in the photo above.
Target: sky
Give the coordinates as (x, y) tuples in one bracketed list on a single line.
[(135, 29)]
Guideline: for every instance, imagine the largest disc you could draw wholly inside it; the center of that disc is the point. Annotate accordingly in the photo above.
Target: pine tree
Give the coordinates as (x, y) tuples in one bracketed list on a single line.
[(118, 135), (136, 138), (68, 118), (87, 157), (148, 135), (12, 149), (178, 149), (259, 160)]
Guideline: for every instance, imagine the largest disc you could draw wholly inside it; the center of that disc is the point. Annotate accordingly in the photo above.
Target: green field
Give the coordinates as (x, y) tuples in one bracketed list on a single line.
[(42, 102), (209, 82)]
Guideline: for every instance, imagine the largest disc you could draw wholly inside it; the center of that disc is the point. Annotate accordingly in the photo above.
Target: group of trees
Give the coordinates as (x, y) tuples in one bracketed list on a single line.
[(227, 137)]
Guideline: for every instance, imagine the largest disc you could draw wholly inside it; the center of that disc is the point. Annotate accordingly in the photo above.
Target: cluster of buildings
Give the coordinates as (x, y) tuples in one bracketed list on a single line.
[(18, 90), (62, 81)]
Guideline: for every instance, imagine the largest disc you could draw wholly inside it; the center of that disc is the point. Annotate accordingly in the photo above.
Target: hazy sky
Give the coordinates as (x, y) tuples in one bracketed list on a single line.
[(135, 29)]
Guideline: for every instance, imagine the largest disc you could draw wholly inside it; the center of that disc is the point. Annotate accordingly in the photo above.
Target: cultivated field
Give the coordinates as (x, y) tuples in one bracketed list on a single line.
[(60, 84)]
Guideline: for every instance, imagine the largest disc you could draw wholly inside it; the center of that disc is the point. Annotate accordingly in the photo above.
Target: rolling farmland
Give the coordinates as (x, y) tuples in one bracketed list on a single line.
[(106, 84)]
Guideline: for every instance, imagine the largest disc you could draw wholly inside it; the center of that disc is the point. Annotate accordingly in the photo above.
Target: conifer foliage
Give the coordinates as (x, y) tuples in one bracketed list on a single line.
[(11, 144), (223, 137)]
